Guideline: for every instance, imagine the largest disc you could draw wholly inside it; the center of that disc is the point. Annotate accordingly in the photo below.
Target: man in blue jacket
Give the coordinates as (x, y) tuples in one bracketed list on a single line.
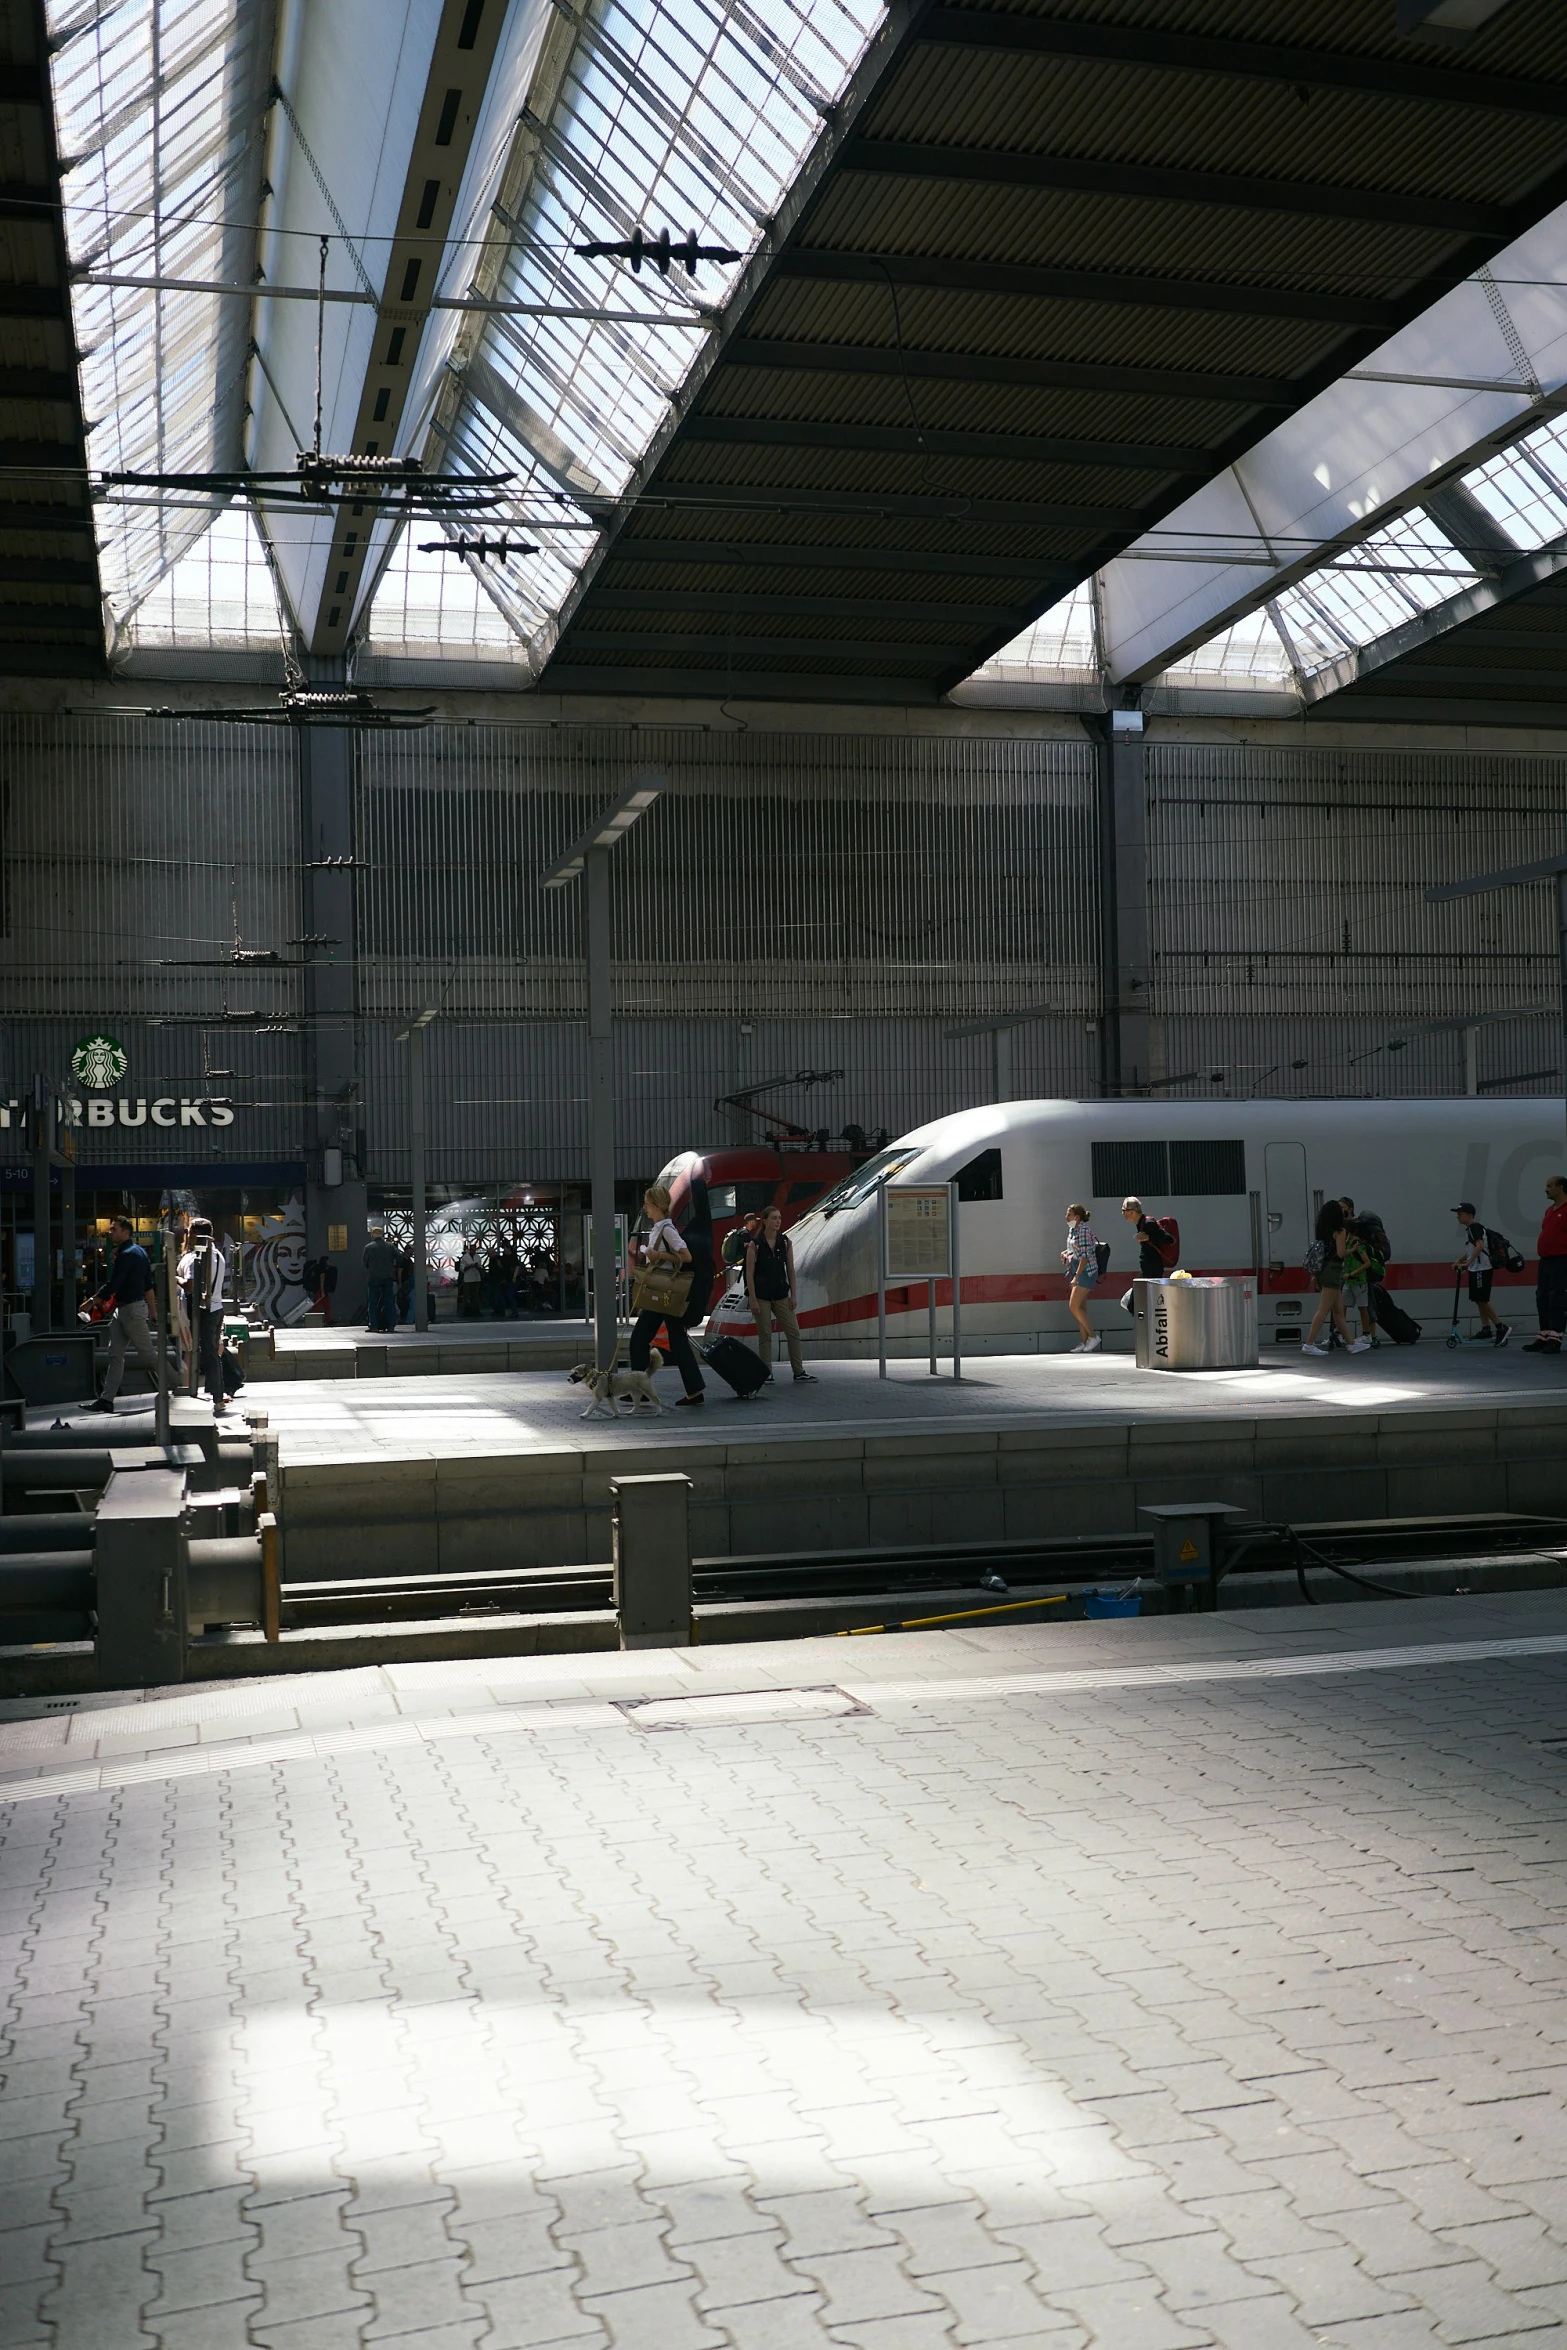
[(129, 1290)]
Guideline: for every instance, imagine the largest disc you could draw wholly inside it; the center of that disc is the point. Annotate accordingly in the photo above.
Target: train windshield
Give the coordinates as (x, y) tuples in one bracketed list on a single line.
[(858, 1187)]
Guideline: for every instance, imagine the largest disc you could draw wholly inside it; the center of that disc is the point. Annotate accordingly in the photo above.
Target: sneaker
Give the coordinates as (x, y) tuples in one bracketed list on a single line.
[(1361, 1346), (100, 1404), (1503, 1333), (809, 1377), (1543, 1346), (1091, 1345), (1307, 1349), (698, 1396)]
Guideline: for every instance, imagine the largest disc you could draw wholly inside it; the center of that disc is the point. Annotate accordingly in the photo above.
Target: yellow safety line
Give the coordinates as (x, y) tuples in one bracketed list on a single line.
[(963, 1616)]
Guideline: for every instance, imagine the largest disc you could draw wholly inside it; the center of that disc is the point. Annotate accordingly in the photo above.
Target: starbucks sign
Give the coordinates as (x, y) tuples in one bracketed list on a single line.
[(98, 1064), (100, 1061)]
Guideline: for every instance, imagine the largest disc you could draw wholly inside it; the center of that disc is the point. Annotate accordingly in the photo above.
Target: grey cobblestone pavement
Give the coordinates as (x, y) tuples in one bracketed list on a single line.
[(1176, 1986)]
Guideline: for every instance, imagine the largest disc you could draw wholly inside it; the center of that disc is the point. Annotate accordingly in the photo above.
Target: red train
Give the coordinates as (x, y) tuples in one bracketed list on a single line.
[(747, 1176)]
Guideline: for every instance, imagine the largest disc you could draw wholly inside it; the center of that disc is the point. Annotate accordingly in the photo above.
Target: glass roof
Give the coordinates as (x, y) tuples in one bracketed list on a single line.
[(431, 605), (159, 111), (1369, 589), (1250, 652), (1062, 643), (219, 592), (685, 114)]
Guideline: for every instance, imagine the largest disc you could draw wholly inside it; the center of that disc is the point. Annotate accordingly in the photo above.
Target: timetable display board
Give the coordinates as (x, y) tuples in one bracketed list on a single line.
[(918, 1231)]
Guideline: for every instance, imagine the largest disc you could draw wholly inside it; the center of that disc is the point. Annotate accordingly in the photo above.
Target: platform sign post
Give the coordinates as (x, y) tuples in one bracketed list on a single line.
[(919, 1242), (881, 1278)]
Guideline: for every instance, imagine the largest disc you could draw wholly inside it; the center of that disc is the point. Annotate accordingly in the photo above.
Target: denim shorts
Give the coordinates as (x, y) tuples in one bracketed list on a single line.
[(1085, 1275)]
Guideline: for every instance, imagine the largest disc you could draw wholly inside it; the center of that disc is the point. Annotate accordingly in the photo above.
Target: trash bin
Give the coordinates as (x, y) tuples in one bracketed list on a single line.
[(52, 1370), (1199, 1325)]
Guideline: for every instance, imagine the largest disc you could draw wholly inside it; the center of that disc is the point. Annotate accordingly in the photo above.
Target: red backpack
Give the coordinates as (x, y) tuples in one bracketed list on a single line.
[(1165, 1235)]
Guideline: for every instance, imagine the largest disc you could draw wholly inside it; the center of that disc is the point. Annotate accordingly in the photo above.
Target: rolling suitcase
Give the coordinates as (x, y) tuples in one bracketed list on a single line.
[(738, 1365), (1402, 1328)]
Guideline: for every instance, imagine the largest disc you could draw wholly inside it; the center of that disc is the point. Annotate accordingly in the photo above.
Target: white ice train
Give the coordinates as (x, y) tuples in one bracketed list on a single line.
[(1243, 1179)]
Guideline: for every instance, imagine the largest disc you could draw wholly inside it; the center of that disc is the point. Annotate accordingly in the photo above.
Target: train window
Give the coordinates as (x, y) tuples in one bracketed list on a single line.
[(1207, 1169), (801, 1191), (754, 1199), (858, 1187), (723, 1200), (1168, 1170), (981, 1178), (1140, 1170)]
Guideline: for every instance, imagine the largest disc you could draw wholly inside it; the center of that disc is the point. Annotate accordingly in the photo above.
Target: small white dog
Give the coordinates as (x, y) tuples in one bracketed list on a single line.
[(610, 1389)]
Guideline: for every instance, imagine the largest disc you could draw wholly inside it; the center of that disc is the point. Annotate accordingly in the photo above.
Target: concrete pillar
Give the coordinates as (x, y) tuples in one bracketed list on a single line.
[(334, 1114), (139, 1559), (1126, 1046), (1001, 1064), (652, 1555)]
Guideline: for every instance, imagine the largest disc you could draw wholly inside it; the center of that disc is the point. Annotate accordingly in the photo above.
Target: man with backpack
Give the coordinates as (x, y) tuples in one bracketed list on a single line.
[(1480, 1252), (1158, 1245)]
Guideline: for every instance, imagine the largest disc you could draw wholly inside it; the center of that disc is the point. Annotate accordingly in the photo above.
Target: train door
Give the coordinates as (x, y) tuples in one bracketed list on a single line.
[(1288, 1206)]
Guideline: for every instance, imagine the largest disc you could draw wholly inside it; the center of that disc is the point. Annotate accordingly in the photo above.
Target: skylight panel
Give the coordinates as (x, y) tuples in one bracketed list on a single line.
[(435, 606), (1371, 589), (686, 114), (1524, 487), (158, 106), (220, 592), (1250, 652), (1060, 646)]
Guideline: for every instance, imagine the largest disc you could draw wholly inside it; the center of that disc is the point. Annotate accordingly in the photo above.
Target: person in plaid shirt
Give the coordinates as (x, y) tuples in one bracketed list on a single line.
[(1081, 1259)]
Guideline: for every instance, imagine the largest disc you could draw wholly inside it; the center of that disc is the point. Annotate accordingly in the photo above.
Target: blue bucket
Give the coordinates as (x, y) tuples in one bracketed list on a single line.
[(1111, 1601)]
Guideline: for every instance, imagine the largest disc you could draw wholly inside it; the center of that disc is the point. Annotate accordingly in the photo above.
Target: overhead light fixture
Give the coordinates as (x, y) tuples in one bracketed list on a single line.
[(660, 251), (606, 829), (1456, 18)]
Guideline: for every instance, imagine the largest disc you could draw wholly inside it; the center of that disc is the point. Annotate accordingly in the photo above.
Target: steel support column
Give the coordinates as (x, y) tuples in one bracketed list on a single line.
[(420, 1242), (601, 1102), (1126, 1044), (43, 1214), (335, 1119)]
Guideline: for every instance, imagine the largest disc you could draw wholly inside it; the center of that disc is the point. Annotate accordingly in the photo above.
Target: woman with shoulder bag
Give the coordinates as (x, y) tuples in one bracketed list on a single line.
[(663, 1294)]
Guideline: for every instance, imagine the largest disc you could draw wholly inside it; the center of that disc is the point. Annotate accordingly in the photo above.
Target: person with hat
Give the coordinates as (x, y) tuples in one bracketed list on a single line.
[(1474, 1258)]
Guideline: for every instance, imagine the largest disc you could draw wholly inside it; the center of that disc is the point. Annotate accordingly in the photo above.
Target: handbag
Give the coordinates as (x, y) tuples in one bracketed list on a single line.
[(662, 1289)]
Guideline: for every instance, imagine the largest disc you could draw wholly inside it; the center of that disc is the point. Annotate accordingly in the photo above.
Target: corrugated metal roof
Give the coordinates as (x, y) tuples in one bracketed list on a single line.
[(1250, 158), (51, 617)]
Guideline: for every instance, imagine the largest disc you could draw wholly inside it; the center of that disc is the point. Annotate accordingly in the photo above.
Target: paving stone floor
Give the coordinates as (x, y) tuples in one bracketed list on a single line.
[(1145, 1985)]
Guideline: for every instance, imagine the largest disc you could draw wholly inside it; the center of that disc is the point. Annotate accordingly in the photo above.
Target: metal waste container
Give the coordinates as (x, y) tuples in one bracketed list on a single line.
[(1196, 1325)]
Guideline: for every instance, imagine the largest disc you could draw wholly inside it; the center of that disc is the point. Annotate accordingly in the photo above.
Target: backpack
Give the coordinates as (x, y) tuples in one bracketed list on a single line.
[(1165, 1236), (1102, 1256), (1315, 1258), (1502, 1253)]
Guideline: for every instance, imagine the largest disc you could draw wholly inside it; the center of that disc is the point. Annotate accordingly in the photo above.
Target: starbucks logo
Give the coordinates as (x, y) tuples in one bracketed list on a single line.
[(100, 1061)]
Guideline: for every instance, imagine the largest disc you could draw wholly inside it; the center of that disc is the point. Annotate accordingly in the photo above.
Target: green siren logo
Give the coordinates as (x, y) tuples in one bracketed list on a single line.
[(100, 1061)]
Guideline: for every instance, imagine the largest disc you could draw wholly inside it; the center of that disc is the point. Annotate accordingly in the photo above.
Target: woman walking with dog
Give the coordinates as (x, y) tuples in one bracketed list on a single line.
[(662, 1251)]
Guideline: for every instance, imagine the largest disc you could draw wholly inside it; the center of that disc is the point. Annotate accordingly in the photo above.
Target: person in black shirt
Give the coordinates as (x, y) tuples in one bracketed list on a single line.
[(769, 1286), (1152, 1265), (129, 1290)]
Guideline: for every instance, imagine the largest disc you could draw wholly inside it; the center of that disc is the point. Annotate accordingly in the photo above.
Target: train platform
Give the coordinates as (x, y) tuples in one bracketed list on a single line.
[(1191, 1984), (425, 1475)]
